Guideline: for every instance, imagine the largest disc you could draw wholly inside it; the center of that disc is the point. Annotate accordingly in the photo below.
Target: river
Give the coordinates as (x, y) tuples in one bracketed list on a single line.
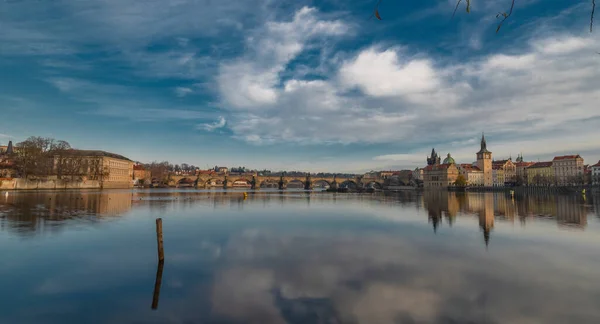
[(298, 257)]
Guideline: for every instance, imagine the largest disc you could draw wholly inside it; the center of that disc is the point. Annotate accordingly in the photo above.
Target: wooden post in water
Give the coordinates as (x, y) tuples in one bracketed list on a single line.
[(159, 240), (157, 282), (161, 263)]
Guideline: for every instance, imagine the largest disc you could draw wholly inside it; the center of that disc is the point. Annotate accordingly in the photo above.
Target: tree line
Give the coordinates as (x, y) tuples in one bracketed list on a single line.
[(43, 156)]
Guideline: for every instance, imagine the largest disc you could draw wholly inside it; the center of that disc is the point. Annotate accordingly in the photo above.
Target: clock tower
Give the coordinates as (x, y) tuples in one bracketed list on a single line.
[(484, 162)]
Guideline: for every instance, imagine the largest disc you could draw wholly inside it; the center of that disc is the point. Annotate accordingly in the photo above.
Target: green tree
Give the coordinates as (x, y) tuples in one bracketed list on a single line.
[(460, 181)]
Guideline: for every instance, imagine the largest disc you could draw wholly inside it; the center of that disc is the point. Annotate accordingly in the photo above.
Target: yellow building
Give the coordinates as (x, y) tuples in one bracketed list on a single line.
[(440, 175), (521, 171), (498, 176), (540, 174), (471, 173), (112, 170), (568, 169), (509, 170)]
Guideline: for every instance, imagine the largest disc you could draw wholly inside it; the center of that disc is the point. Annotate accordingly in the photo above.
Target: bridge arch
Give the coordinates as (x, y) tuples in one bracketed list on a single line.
[(347, 183), (212, 182), (374, 184), (270, 183), (241, 182), (321, 181)]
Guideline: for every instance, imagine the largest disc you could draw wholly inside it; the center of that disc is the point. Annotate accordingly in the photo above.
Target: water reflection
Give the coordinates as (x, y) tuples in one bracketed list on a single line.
[(299, 258)]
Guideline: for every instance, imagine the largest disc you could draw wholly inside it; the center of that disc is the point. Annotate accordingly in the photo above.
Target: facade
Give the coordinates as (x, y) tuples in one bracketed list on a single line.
[(498, 176), (568, 169), (509, 170), (112, 170), (595, 174), (521, 172), (484, 163), (417, 174), (141, 175), (471, 173), (440, 175), (540, 174)]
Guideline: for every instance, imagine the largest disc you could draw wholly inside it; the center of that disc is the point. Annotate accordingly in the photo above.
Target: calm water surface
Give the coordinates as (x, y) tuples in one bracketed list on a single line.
[(296, 257)]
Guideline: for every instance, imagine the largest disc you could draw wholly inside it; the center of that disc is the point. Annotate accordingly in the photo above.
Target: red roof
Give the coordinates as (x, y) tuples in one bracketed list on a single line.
[(438, 166), (499, 162), (541, 165), (469, 167), (567, 157), (597, 164), (524, 164), (138, 167)]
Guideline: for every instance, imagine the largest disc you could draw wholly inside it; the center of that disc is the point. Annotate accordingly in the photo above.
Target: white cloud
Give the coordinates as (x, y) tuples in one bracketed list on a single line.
[(543, 93), (182, 91), (380, 73), (251, 81), (220, 123)]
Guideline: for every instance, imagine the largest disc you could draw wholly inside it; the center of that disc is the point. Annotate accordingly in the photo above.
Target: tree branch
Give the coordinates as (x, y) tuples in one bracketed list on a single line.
[(505, 15), (592, 15)]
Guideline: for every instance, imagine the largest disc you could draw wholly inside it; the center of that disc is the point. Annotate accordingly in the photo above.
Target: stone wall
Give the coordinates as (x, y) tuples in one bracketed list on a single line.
[(24, 184)]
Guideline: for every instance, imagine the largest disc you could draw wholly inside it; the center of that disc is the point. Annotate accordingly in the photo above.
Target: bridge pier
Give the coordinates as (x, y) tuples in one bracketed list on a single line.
[(254, 185), (225, 183)]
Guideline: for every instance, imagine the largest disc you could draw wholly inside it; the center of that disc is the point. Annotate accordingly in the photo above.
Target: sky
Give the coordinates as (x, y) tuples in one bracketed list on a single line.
[(302, 85)]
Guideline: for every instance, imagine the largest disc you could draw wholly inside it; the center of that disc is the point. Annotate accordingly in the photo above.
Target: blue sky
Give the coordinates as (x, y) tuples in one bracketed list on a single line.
[(305, 85)]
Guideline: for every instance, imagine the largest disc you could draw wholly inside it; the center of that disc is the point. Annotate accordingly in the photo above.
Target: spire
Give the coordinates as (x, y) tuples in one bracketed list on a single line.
[(9, 150), (483, 145)]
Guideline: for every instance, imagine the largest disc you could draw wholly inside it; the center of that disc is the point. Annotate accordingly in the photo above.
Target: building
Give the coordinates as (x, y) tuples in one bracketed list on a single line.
[(7, 163), (417, 174), (568, 169), (509, 170), (595, 174), (112, 170), (434, 158), (540, 174), (439, 175), (471, 173), (484, 162), (498, 176), (521, 171), (141, 176)]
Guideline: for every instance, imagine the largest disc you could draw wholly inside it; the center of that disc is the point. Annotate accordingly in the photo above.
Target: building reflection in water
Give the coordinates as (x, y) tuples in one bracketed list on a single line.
[(567, 210), (46, 211)]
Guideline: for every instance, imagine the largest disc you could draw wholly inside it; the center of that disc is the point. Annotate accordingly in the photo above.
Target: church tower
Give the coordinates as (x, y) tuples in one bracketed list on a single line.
[(484, 162)]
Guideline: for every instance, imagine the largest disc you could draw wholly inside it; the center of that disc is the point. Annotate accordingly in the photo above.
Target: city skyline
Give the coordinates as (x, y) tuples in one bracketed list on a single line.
[(301, 86)]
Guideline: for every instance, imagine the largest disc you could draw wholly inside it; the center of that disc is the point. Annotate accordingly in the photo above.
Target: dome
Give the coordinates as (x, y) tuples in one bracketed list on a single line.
[(449, 160)]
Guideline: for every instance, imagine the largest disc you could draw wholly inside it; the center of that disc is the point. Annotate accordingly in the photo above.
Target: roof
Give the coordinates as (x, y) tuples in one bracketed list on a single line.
[(438, 167), (597, 165), (138, 167), (469, 167), (524, 164), (566, 157), (96, 153), (497, 167), (540, 165)]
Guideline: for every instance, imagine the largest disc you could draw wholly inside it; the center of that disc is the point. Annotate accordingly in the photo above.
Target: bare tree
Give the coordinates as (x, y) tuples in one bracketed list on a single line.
[(502, 16), (95, 168), (35, 156)]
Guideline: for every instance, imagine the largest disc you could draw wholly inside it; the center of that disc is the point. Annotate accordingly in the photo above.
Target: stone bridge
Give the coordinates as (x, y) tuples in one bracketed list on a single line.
[(280, 182)]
